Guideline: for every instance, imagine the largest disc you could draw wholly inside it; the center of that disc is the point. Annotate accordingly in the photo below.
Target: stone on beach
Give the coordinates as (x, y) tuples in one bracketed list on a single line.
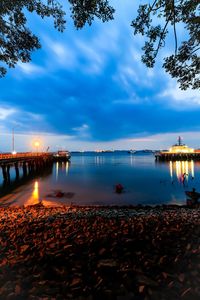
[(95, 253)]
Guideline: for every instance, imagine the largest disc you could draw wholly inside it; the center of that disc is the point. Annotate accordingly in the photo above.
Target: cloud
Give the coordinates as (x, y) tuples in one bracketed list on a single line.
[(82, 131), (30, 68), (6, 112), (180, 99), (91, 86), (61, 53), (20, 119), (94, 60)]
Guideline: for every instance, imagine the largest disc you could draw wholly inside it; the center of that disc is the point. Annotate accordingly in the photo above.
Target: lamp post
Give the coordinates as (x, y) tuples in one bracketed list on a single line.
[(13, 142)]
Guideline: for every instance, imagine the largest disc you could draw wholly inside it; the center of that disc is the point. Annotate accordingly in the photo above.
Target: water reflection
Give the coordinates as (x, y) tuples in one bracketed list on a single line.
[(181, 169), (132, 159), (91, 180), (57, 167), (63, 166), (34, 199), (99, 160), (67, 168)]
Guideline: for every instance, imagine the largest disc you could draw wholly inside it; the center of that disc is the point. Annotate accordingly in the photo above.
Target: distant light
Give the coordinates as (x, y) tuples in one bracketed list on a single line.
[(14, 152)]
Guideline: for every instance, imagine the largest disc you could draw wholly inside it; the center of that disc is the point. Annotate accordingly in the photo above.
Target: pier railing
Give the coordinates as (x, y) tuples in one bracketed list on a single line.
[(7, 156)]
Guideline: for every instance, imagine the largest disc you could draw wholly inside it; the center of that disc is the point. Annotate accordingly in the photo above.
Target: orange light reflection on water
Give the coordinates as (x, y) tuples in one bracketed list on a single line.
[(34, 198), (67, 168)]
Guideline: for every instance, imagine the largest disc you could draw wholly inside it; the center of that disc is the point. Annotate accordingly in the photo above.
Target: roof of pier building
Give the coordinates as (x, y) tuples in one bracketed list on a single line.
[(181, 149)]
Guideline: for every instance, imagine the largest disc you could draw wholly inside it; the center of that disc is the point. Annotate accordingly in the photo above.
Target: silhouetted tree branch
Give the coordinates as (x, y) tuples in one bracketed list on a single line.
[(17, 42), (184, 64)]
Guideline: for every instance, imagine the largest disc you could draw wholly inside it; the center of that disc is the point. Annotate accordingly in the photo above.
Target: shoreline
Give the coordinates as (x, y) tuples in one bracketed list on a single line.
[(47, 205), (107, 252)]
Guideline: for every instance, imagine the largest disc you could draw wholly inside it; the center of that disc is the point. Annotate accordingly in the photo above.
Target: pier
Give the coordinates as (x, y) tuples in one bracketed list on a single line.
[(178, 151), (30, 162), (167, 156)]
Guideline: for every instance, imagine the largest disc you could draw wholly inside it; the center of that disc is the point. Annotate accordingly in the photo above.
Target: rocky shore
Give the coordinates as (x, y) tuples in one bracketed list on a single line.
[(100, 253)]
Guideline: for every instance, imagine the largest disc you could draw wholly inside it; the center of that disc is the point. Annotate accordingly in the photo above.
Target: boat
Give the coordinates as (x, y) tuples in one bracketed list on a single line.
[(62, 155), (131, 151)]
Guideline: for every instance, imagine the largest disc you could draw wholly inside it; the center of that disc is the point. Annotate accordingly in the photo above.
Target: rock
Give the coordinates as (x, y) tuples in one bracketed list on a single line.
[(107, 263)]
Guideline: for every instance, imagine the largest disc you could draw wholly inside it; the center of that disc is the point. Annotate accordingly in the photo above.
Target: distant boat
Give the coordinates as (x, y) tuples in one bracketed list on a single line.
[(131, 151), (62, 155), (104, 151)]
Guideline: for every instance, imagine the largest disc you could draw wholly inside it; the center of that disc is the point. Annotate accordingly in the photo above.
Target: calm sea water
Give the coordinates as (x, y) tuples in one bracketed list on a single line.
[(91, 179)]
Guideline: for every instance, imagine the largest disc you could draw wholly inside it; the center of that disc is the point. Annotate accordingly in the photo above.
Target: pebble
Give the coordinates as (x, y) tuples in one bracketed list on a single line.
[(99, 253)]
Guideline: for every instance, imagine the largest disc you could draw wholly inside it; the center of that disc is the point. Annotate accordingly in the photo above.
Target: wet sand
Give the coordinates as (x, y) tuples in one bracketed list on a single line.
[(100, 253)]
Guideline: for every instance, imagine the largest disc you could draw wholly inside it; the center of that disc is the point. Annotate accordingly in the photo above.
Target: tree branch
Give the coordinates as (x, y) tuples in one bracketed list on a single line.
[(161, 36), (174, 25)]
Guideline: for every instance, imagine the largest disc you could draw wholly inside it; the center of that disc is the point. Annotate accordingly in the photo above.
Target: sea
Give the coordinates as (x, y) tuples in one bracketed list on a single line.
[(90, 178)]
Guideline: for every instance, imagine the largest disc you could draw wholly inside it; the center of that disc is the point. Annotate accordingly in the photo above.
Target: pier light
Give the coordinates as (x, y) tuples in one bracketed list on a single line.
[(181, 149), (37, 144), (14, 152)]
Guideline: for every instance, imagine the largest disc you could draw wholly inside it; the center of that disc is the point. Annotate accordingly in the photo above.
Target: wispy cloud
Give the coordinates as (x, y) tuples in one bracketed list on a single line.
[(180, 99), (82, 131), (6, 112), (61, 53), (94, 60), (30, 68)]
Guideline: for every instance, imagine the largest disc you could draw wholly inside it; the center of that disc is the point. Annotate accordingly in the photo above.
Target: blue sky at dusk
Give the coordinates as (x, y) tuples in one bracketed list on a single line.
[(88, 89)]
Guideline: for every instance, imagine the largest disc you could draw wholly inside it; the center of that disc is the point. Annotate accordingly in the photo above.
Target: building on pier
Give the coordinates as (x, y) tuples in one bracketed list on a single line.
[(180, 147), (178, 151)]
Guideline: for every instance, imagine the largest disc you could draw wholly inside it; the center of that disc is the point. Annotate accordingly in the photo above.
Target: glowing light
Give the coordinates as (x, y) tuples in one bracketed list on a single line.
[(192, 168), (14, 152), (34, 199), (171, 169), (37, 144), (57, 167), (178, 170), (182, 169), (181, 149), (67, 168), (36, 191)]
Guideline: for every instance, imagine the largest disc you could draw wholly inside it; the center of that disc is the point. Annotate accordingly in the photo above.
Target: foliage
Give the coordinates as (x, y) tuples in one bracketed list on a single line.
[(184, 64), (17, 41)]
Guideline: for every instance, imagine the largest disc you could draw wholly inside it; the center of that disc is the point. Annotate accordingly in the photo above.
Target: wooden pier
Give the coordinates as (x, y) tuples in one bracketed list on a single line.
[(30, 162)]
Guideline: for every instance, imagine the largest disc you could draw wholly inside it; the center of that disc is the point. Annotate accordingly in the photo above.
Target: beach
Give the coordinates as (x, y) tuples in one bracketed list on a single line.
[(85, 252)]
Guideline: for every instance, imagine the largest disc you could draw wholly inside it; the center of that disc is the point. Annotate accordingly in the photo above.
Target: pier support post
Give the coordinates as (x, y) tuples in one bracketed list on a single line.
[(4, 172), (8, 172), (24, 169), (16, 170)]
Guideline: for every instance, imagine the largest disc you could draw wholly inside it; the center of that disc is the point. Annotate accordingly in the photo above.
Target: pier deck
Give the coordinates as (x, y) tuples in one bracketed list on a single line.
[(167, 156)]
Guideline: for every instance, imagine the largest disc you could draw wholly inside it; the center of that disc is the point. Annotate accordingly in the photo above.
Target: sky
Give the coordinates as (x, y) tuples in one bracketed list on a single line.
[(88, 90)]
